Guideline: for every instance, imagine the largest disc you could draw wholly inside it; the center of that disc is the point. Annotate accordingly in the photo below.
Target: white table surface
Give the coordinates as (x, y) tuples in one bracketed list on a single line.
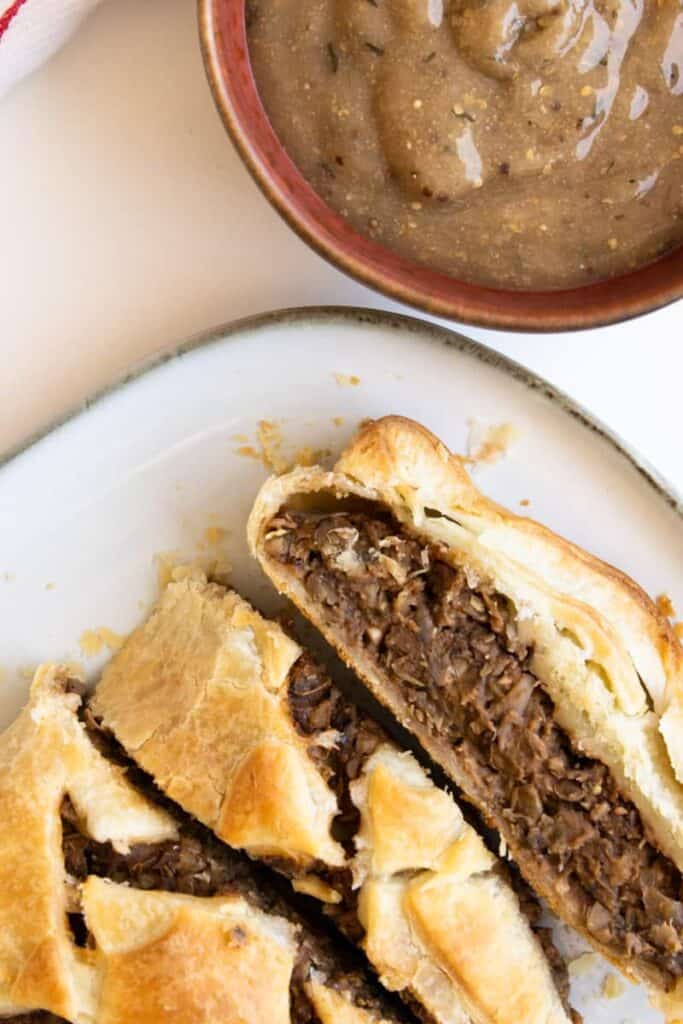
[(128, 224)]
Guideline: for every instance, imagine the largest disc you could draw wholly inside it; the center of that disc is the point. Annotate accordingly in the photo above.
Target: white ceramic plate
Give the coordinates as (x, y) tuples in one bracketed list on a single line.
[(165, 464)]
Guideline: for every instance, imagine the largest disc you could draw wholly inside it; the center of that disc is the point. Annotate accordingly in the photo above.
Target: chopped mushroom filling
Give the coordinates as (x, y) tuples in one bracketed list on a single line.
[(453, 652)]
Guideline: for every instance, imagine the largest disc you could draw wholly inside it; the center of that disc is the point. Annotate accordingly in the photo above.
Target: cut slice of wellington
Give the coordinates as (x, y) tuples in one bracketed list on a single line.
[(240, 726), (544, 682), (114, 910)]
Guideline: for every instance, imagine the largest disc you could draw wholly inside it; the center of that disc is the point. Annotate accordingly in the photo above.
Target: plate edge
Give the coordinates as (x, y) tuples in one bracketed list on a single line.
[(379, 318)]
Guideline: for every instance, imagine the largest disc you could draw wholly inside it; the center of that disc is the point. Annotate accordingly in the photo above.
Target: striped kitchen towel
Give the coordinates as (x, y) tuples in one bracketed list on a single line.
[(32, 30)]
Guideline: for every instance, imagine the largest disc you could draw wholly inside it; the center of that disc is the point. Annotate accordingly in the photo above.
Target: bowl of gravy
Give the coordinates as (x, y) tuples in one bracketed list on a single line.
[(514, 163)]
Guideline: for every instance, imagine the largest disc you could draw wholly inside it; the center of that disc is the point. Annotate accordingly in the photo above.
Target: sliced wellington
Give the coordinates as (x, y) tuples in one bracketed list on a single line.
[(240, 726), (543, 681), (113, 909)]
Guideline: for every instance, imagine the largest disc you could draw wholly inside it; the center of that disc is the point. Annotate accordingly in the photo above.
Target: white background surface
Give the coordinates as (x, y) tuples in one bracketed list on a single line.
[(127, 224)]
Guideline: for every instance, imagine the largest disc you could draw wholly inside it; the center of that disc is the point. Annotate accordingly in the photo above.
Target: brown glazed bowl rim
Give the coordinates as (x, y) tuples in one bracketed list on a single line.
[(223, 37)]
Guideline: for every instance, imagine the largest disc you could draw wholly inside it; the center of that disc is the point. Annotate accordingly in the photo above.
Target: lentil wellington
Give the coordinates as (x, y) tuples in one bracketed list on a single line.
[(453, 648), (518, 143)]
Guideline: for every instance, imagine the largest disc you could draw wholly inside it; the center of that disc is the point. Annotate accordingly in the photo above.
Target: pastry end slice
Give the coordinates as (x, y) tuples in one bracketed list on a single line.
[(545, 682), (44, 754), (112, 909)]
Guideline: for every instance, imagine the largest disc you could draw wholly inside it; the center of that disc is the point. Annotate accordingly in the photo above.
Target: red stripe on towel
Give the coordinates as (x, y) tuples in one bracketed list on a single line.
[(7, 18)]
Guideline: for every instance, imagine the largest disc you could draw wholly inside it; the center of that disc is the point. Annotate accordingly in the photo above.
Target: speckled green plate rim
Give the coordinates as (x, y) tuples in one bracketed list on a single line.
[(348, 315)]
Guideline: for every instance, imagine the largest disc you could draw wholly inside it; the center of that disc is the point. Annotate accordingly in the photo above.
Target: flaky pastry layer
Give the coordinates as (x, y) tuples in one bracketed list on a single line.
[(601, 649)]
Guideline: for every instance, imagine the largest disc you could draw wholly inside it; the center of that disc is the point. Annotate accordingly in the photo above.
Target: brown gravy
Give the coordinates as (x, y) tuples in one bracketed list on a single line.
[(519, 143)]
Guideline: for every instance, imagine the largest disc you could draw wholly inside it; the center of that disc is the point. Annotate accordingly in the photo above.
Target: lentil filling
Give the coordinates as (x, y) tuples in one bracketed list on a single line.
[(453, 652), (317, 706)]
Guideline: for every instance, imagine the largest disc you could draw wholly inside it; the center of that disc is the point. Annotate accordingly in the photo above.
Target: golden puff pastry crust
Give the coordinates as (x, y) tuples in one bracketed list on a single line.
[(441, 920), (600, 648), (44, 756), (191, 960), (413, 847), (198, 697), (241, 953), (166, 957)]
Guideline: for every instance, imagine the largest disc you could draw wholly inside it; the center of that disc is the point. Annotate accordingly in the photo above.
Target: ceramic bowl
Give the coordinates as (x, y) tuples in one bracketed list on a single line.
[(226, 56)]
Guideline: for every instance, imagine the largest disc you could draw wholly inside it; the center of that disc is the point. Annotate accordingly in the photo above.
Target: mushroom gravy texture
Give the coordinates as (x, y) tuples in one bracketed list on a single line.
[(519, 143)]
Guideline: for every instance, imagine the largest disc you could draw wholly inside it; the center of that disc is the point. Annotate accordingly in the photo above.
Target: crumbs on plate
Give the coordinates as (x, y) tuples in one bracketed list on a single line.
[(489, 443), (346, 380), (269, 449), (173, 567), (91, 641), (166, 562), (665, 606), (213, 536), (270, 440)]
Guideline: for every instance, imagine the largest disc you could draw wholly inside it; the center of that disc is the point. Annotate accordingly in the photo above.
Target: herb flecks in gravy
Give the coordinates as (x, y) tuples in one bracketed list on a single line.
[(523, 143)]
